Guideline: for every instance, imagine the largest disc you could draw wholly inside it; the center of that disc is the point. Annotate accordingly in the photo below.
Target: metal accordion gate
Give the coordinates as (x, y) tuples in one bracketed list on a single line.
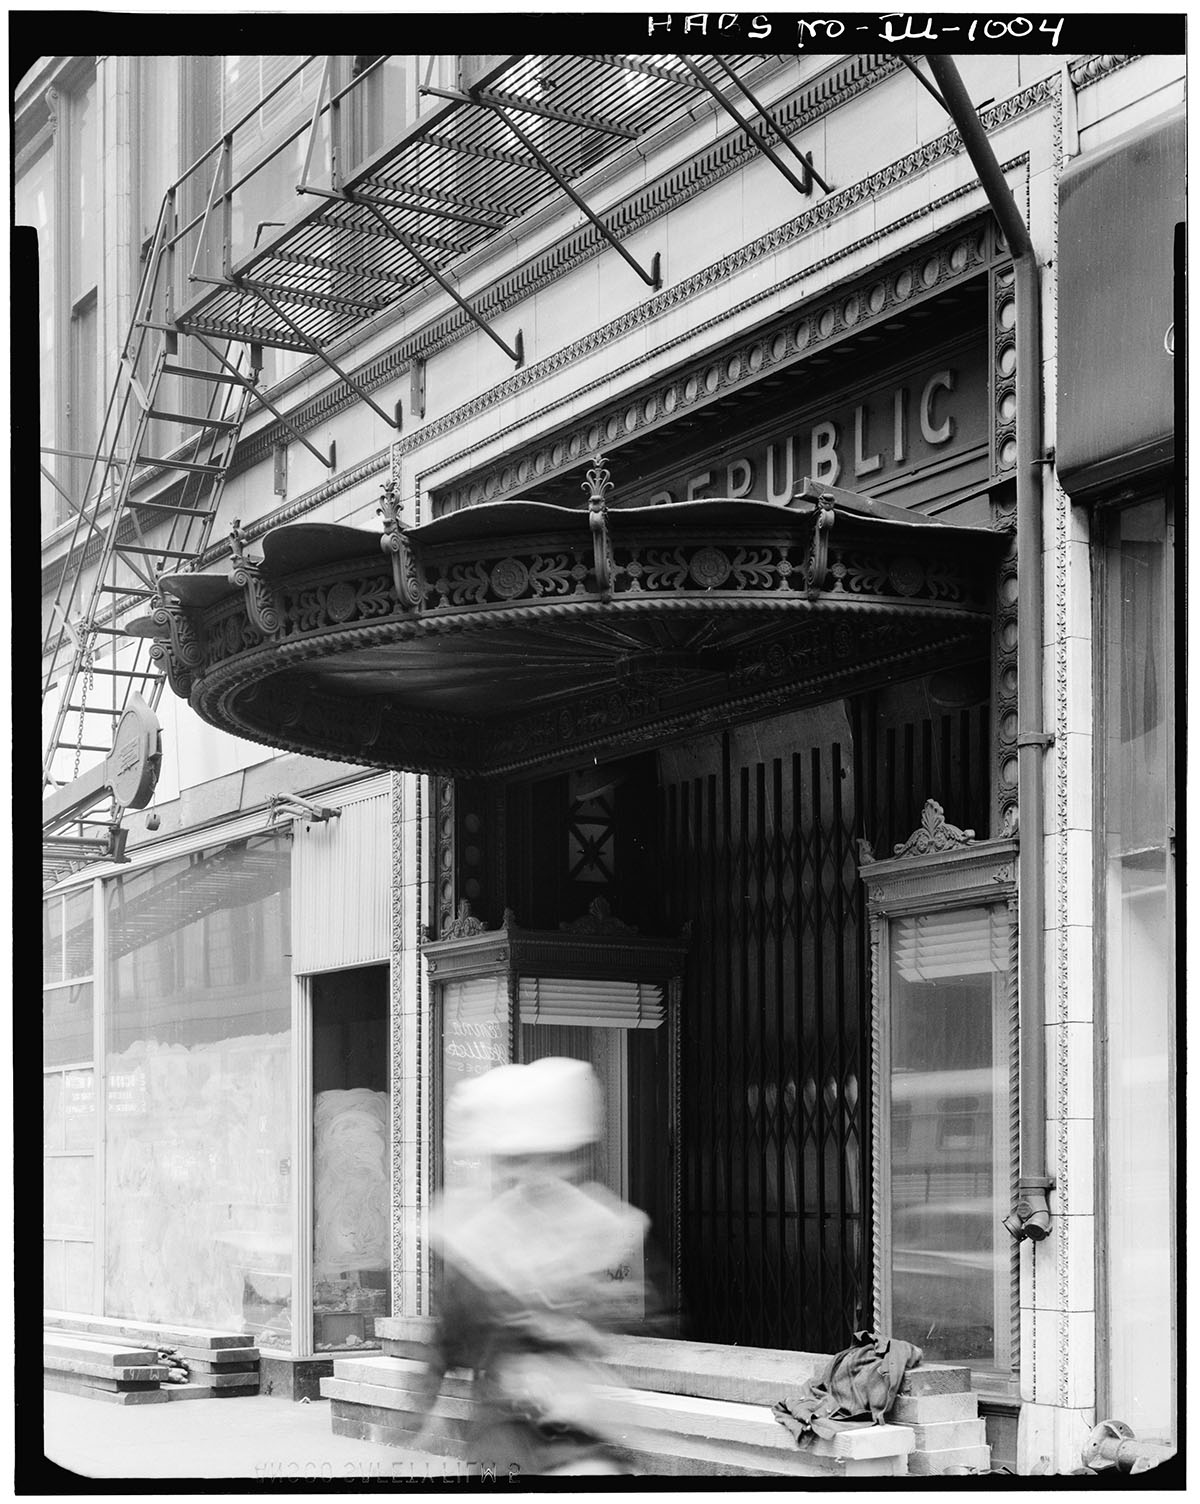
[(757, 827)]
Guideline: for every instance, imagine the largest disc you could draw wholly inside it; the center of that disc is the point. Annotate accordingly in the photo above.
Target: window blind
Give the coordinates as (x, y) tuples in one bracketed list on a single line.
[(249, 79), (959, 943), (599, 1004)]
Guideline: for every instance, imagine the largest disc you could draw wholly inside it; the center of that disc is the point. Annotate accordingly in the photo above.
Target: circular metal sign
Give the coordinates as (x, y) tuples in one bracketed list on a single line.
[(135, 759)]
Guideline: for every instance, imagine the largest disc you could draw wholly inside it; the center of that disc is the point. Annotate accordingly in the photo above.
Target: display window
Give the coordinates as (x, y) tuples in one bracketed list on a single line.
[(197, 1083), (1135, 920)]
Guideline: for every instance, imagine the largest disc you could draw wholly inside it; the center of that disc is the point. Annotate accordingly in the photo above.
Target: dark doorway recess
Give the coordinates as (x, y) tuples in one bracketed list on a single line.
[(747, 838)]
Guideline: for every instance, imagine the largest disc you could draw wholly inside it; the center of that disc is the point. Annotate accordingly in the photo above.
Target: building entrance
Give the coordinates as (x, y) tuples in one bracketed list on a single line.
[(757, 829), (746, 841)]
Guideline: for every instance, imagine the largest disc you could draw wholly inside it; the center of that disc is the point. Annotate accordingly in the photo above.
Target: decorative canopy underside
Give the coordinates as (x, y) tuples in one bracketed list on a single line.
[(522, 636)]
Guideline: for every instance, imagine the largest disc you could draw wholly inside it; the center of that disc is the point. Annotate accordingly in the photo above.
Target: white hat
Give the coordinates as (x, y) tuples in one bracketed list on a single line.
[(547, 1107)]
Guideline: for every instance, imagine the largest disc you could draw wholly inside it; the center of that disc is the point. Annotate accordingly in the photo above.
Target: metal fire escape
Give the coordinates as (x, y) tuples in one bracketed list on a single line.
[(393, 198)]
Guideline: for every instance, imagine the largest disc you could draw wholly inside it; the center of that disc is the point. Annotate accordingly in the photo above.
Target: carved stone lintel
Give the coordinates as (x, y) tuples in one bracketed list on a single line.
[(464, 923), (934, 833), (599, 920)]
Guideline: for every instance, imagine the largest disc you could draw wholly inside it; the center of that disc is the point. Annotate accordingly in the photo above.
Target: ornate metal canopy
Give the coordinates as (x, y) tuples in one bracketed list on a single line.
[(521, 635)]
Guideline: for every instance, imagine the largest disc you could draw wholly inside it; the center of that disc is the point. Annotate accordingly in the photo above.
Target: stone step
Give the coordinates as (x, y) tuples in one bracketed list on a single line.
[(378, 1397), (62, 1383), (932, 1463), (65, 1345), (685, 1458), (401, 1373), (751, 1375), (950, 1433), (352, 1421), (402, 1427), (932, 1409), (713, 1420), (150, 1373), (392, 1398), (152, 1333)]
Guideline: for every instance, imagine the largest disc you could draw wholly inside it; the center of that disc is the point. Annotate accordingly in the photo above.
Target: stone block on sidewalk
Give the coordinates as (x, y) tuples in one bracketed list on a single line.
[(929, 1464)]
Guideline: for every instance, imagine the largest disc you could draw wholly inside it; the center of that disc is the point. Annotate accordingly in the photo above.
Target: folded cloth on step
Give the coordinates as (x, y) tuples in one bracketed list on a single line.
[(859, 1385)]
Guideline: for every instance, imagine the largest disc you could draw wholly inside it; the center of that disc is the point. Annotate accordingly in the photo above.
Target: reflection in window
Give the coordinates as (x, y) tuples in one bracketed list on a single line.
[(197, 1095), (948, 1117), (351, 1181), (68, 1102), (1136, 818)]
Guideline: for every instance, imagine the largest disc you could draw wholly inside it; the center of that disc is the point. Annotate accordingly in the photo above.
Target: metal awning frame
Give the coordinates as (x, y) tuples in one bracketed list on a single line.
[(803, 184), (432, 204)]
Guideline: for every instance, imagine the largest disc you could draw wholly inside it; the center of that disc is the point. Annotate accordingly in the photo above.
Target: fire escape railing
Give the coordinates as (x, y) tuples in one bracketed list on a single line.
[(389, 207)]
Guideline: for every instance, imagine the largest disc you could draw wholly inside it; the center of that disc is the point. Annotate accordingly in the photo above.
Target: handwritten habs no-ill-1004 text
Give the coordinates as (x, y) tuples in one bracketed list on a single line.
[(889, 27)]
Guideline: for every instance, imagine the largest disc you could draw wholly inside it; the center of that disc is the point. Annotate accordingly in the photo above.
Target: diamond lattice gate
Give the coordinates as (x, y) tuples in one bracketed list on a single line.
[(757, 829)]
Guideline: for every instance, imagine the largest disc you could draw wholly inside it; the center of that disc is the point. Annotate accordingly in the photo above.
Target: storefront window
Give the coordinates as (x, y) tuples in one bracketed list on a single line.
[(949, 1153), (351, 1183), (475, 1034), (197, 1098), (1136, 822), (68, 1103)]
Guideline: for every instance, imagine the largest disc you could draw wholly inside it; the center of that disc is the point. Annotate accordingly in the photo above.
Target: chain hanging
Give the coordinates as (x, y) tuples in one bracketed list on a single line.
[(86, 662)]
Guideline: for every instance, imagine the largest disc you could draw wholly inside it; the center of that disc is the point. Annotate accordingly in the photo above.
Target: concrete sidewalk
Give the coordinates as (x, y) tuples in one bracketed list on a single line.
[(260, 1437)]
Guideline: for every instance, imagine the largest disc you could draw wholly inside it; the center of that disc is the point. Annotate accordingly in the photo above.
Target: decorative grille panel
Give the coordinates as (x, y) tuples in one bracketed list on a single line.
[(757, 827)]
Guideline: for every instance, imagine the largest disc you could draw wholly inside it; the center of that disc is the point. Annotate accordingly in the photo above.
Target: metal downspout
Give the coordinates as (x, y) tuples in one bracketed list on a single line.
[(1030, 1215)]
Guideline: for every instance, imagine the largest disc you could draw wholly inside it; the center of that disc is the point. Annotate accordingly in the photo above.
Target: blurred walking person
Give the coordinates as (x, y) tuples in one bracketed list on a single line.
[(539, 1266)]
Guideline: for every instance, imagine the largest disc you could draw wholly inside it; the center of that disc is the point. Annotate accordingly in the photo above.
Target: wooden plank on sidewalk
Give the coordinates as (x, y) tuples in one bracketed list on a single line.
[(221, 1386), (149, 1373), (221, 1381), (214, 1355), (153, 1333), (198, 1367), (66, 1384), (94, 1351)]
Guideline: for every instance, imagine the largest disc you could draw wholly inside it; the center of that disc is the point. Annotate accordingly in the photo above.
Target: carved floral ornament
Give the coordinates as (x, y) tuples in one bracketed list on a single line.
[(933, 836)]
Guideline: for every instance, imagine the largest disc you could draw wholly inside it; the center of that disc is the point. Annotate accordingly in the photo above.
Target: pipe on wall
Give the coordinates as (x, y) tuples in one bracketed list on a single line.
[(1030, 1214)]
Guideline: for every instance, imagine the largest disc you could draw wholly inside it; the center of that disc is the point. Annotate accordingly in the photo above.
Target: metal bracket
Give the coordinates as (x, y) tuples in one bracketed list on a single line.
[(288, 806), (258, 291), (398, 550), (597, 485), (816, 565), (803, 185), (652, 278), (517, 355), (261, 605)]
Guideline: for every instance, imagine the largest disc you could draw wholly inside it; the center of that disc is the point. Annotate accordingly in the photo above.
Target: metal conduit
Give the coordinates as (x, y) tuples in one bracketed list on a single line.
[(1030, 1215)]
